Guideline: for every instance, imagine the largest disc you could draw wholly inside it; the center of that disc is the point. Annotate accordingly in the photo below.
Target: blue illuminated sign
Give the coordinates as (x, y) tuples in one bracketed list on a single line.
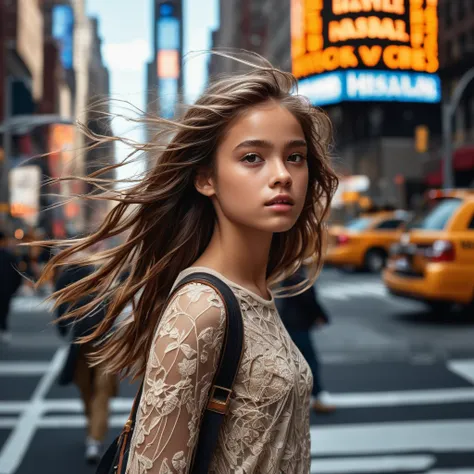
[(166, 9), (168, 92), (168, 33), (63, 30), (371, 85)]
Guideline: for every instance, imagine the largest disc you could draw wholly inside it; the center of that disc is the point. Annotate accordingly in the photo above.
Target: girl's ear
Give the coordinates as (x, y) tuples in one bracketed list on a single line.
[(204, 183)]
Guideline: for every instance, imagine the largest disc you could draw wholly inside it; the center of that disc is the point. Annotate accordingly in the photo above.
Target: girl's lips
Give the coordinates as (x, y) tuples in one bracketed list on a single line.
[(280, 207)]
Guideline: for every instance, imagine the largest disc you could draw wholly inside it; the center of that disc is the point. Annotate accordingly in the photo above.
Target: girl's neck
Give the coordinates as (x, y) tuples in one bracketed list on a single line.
[(239, 255)]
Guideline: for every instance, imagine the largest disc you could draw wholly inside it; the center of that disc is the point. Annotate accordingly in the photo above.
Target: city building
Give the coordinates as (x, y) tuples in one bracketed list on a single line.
[(277, 47), (51, 72), (242, 25), (164, 72), (99, 123), (456, 54), (21, 93)]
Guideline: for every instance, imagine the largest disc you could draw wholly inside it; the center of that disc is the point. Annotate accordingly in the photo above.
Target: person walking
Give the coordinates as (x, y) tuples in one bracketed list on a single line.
[(240, 190), (10, 281), (300, 315), (96, 387)]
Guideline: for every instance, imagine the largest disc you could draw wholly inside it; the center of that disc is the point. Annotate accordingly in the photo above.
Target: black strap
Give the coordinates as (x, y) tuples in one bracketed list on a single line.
[(229, 362)]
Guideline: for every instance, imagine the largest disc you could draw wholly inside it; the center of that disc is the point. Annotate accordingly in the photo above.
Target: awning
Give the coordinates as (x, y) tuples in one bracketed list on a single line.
[(463, 160)]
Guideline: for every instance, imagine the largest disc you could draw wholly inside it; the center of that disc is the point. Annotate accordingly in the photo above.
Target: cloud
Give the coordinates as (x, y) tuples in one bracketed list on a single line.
[(130, 56)]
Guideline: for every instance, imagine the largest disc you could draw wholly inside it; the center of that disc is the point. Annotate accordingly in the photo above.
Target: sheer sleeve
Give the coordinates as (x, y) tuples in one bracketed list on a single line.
[(181, 366)]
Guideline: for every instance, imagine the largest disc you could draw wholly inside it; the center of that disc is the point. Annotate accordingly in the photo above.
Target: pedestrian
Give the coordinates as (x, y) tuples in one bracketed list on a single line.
[(240, 190), (10, 281), (300, 315), (96, 387)]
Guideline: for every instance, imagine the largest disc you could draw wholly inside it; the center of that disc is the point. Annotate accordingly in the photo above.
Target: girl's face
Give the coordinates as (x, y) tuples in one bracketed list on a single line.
[(261, 173)]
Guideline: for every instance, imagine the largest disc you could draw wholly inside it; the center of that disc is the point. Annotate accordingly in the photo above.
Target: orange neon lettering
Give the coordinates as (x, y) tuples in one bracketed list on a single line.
[(390, 57), (330, 58), (341, 7), (314, 42), (417, 39), (370, 55), (418, 59), (367, 27), (404, 57), (314, 23), (347, 57), (432, 64)]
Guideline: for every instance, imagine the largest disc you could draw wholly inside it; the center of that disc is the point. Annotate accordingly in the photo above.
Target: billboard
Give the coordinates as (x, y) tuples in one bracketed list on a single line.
[(62, 163), (63, 31), (366, 50), (25, 182)]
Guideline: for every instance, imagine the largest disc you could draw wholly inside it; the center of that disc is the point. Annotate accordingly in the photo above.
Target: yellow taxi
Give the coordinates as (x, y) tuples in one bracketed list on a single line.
[(365, 241), (434, 259)]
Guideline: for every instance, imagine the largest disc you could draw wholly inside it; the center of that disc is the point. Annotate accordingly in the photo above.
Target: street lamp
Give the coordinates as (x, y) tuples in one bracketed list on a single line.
[(448, 111)]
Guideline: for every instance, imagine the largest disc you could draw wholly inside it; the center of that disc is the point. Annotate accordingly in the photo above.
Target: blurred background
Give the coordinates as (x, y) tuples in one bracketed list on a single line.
[(397, 79)]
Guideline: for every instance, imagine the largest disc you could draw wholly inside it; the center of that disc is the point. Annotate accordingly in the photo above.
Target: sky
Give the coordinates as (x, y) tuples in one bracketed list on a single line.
[(126, 30)]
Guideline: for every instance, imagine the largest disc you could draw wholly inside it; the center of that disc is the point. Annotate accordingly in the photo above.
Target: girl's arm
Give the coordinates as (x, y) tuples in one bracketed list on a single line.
[(180, 370)]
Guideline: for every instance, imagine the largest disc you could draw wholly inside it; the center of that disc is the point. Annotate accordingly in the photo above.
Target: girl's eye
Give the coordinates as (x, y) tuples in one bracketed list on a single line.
[(252, 158), (296, 158)]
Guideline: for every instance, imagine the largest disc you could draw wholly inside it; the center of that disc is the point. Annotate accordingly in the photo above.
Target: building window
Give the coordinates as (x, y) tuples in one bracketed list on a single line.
[(461, 9), (448, 12), (455, 49)]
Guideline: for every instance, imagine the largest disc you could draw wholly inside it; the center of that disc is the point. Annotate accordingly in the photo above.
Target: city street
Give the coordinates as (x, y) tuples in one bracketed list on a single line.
[(402, 378)]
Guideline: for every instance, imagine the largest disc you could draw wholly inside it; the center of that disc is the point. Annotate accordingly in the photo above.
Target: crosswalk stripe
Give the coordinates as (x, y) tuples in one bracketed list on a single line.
[(23, 368), (463, 368), (373, 464), (399, 437)]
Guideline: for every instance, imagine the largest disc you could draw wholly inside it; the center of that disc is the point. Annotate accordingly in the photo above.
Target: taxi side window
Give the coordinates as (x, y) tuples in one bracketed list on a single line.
[(471, 224), (390, 224)]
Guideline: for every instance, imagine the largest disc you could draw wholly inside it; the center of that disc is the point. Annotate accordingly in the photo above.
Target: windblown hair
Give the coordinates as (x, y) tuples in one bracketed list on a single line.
[(168, 224)]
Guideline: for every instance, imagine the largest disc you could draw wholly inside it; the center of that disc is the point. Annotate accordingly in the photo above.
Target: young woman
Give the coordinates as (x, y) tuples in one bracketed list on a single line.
[(239, 191)]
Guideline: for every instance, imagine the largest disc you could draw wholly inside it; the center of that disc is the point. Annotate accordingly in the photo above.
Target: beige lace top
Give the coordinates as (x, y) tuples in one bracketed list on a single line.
[(267, 427)]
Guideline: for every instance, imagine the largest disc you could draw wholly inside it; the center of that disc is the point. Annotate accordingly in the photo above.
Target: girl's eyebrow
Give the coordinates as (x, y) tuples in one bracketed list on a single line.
[(267, 144)]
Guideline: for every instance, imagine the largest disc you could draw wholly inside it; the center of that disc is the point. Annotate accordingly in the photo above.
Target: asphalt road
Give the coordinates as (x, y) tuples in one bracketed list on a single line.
[(403, 381)]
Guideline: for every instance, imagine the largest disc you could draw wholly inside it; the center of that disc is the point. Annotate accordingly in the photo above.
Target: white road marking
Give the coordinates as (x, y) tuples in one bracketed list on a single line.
[(378, 438), (349, 290), (375, 464), (463, 368), (403, 397), (468, 470), (17, 443), (23, 368)]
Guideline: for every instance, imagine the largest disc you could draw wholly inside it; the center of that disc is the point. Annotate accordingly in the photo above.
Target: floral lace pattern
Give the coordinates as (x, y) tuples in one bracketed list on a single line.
[(267, 427)]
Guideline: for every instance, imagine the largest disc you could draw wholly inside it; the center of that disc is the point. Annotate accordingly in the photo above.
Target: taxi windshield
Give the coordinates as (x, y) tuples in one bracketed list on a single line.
[(361, 223), (437, 217)]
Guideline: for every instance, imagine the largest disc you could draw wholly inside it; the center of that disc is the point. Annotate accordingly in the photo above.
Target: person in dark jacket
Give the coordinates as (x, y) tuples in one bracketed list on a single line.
[(300, 314), (95, 386), (10, 281)]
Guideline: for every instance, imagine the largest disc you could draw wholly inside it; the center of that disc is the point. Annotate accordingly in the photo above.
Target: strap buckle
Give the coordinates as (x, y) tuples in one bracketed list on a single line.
[(219, 400)]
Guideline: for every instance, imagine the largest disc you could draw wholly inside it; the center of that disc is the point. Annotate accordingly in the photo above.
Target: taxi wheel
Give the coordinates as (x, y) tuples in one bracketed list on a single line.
[(375, 260)]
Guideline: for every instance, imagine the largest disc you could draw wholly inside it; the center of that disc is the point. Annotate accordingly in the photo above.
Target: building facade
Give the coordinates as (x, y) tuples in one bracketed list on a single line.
[(243, 25), (50, 66), (456, 52)]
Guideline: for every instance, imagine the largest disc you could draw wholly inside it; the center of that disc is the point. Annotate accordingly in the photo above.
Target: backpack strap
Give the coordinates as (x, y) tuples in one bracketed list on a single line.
[(229, 362)]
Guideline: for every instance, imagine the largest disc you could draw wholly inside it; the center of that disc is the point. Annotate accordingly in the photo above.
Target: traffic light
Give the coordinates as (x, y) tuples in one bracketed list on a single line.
[(422, 136)]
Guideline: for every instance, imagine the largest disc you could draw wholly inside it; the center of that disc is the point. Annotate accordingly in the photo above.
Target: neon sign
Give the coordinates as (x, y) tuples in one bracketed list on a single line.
[(367, 85), (384, 35)]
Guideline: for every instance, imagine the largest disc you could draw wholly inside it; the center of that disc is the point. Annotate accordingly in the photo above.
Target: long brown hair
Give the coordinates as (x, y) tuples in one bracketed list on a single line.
[(169, 224)]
